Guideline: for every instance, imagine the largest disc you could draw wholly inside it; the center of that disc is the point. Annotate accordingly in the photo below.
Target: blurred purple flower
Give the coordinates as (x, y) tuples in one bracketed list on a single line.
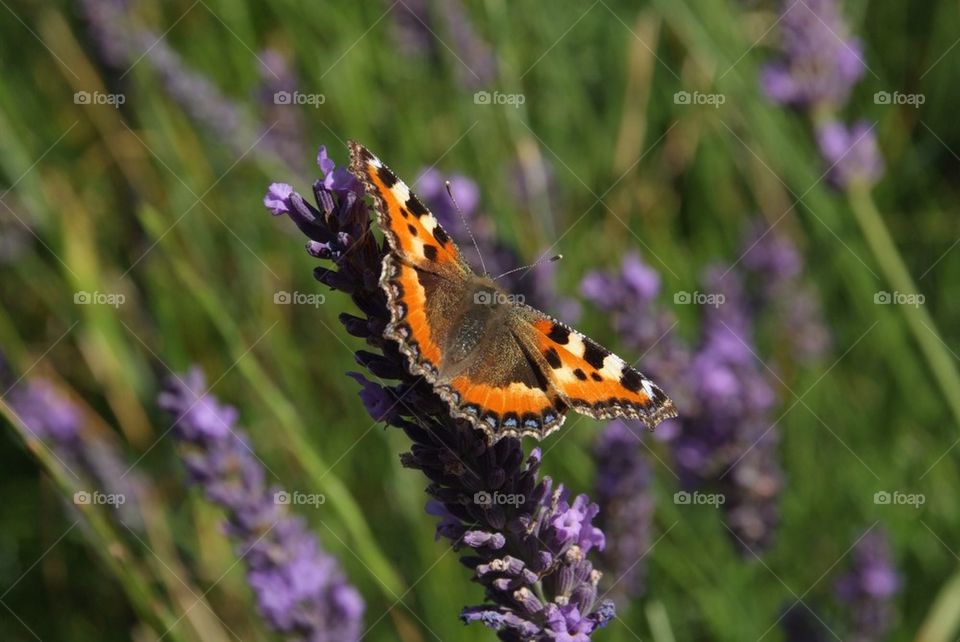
[(775, 270), (89, 456), (537, 284), (721, 439), (867, 589), (418, 32), (627, 296), (300, 589), (278, 82), (123, 44), (626, 508), (48, 415), (725, 438), (821, 62), (527, 540), (851, 153)]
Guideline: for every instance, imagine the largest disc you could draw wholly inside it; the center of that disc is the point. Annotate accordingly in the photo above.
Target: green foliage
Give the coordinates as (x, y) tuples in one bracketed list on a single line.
[(145, 201)]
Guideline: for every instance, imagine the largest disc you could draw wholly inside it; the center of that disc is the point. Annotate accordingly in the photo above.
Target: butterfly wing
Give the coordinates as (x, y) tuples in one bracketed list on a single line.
[(422, 275), (412, 231), (502, 390), (495, 383), (588, 377)]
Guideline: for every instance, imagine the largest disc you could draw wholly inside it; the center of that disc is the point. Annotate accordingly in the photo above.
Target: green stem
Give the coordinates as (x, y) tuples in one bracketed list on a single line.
[(136, 583), (943, 620), (936, 352)]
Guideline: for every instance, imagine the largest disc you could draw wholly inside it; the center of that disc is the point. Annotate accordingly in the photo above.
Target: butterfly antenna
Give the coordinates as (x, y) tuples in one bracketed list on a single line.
[(555, 257), (466, 226)]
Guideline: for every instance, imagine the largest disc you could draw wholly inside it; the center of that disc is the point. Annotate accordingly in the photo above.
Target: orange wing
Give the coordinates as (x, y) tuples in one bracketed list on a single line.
[(412, 231), (503, 390), (588, 377)]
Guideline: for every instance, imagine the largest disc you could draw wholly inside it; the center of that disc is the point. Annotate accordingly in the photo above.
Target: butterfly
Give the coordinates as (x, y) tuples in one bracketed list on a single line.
[(505, 367)]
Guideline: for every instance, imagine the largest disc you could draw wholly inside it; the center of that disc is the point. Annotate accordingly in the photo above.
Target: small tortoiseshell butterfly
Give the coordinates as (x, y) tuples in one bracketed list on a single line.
[(505, 367)]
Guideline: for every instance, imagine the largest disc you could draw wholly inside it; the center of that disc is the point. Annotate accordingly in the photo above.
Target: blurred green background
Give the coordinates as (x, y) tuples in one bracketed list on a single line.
[(159, 199)]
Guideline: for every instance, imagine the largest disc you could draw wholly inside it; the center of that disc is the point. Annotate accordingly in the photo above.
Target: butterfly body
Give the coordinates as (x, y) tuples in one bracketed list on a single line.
[(505, 367)]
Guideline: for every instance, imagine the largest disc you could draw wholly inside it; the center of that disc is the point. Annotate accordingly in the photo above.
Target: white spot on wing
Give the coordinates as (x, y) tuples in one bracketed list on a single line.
[(400, 191), (612, 367), (417, 245), (428, 222), (575, 345), (648, 388)]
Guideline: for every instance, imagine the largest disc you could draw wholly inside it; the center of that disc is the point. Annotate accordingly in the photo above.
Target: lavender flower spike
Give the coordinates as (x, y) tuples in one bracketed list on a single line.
[(300, 590), (851, 153), (868, 587), (821, 63), (92, 458), (526, 540), (623, 491)]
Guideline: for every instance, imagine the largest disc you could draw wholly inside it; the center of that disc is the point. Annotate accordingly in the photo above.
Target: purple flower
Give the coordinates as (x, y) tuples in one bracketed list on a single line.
[(851, 153), (774, 268), (626, 508), (821, 62), (300, 590), (125, 44), (90, 456), (277, 198), (278, 81), (47, 414), (526, 540), (418, 32), (725, 438), (627, 296), (536, 284), (721, 439), (867, 589)]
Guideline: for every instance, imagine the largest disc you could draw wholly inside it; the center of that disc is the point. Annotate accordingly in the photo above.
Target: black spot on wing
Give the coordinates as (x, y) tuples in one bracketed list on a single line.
[(552, 358), (631, 380), (596, 377), (659, 396), (386, 177), (579, 374), (559, 334), (415, 206), (412, 229), (440, 235), (430, 251), (594, 354)]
